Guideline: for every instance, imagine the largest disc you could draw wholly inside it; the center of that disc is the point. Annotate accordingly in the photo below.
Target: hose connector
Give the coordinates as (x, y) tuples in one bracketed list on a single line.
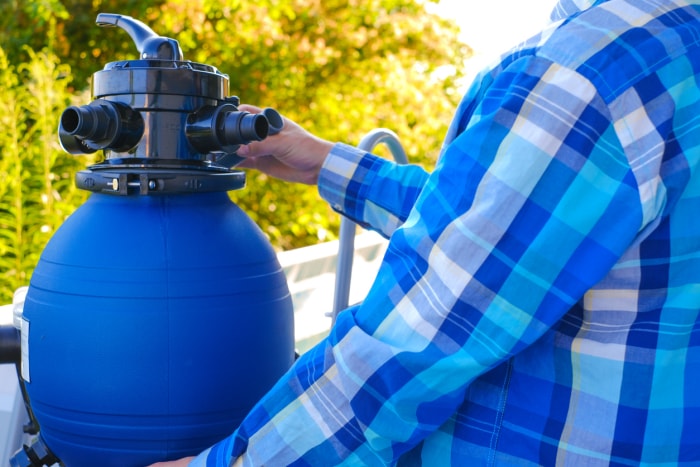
[(224, 129), (100, 125)]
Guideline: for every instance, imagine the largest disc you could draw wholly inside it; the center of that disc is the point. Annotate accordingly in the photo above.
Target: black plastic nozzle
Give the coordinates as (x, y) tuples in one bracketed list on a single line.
[(100, 125), (87, 122), (242, 128), (274, 119), (224, 129), (10, 351)]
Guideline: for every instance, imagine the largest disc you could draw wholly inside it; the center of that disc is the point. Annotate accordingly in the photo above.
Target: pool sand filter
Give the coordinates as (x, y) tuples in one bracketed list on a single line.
[(158, 313)]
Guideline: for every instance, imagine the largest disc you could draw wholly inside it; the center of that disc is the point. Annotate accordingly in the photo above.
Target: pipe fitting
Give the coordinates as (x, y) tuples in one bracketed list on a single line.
[(224, 128), (101, 124)]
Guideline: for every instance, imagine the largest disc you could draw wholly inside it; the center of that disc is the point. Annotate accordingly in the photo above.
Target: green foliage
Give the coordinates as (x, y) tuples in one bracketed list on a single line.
[(339, 68), (36, 176)]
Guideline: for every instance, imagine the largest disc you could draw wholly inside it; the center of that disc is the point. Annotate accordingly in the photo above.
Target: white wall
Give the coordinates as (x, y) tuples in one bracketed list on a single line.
[(311, 277), (13, 416)]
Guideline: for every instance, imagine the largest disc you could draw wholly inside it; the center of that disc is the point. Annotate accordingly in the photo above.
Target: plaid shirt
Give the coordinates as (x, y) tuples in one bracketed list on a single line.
[(538, 302)]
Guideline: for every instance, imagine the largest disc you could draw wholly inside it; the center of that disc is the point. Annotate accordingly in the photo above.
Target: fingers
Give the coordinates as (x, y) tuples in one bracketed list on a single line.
[(244, 151), (257, 149), (265, 147), (272, 166), (293, 154), (249, 108)]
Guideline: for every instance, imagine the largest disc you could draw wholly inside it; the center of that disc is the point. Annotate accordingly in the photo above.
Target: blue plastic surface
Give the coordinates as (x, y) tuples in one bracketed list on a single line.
[(155, 324)]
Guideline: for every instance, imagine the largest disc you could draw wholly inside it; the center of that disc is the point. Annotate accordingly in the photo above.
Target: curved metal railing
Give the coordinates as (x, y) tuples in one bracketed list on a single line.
[(346, 248)]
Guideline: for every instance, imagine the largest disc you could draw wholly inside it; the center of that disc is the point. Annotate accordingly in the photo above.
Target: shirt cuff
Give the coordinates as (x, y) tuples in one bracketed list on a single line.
[(219, 455), (337, 173)]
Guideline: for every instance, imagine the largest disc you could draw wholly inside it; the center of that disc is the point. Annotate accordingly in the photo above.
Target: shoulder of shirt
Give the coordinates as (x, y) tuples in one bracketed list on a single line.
[(590, 42)]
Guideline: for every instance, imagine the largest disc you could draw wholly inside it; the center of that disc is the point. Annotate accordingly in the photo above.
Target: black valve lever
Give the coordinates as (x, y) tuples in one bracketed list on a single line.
[(149, 44), (164, 123)]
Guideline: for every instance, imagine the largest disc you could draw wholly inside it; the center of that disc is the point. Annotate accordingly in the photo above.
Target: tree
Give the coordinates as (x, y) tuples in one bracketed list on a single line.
[(340, 68)]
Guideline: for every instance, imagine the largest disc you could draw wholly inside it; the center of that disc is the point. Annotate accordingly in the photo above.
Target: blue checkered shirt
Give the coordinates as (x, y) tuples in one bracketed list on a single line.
[(538, 302)]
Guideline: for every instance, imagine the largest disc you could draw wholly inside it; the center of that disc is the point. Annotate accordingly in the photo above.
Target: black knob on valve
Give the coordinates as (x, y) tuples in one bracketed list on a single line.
[(149, 44)]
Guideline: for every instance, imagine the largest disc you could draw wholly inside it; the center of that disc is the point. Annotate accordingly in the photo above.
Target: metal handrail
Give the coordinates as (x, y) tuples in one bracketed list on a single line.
[(346, 240)]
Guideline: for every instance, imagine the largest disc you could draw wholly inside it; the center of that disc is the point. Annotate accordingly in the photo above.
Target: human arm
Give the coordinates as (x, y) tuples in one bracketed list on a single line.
[(389, 190), (511, 229)]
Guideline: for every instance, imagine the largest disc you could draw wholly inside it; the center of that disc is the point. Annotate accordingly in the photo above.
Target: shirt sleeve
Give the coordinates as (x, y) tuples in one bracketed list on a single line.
[(528, 207), (375, 193)]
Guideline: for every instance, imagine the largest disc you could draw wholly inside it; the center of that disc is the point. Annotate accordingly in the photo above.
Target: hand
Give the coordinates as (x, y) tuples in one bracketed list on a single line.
[(184, 462), (293, 154)]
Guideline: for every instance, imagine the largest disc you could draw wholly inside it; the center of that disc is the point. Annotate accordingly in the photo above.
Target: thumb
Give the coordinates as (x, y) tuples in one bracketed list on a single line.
[(243, 150)]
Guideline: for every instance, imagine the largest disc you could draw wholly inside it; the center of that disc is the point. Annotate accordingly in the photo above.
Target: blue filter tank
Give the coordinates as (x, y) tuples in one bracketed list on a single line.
[(158, 313), (154, 323)]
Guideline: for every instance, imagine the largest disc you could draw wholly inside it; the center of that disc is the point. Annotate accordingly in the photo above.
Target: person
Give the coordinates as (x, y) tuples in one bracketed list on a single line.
[(538, 301)]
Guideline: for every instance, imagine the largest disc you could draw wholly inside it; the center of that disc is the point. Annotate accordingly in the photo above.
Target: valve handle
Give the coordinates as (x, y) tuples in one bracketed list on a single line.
[(149, 44)]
